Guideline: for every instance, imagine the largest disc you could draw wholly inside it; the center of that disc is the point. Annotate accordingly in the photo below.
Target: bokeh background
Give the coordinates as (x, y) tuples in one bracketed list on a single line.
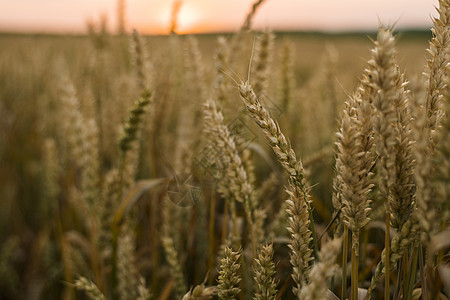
[(59, 52), (199, 16)]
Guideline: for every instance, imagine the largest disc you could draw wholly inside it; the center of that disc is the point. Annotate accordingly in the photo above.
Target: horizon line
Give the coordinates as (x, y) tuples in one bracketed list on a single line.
[(221, 32)]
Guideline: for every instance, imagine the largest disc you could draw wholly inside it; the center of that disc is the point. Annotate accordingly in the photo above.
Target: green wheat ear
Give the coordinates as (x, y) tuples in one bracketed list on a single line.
[(134, 120), (229, 278)]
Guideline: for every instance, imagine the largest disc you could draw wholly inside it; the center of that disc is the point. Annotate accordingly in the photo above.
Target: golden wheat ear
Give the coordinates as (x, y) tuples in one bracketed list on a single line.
[(84, 284), (301, 224), (322, 270), (229, 278), (266, 285)]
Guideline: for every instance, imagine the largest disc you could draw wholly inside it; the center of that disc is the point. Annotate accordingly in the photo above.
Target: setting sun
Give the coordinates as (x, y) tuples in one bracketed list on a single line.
[(187, 19)]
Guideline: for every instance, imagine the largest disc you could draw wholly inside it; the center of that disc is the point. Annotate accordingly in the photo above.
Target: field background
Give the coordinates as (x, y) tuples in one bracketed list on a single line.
[(32, 225)]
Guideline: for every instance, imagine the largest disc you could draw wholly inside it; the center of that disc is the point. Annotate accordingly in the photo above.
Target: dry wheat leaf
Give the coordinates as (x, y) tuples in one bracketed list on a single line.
[(133, 195)]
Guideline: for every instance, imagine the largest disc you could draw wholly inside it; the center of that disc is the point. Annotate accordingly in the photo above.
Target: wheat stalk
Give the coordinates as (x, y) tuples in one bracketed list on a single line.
[(52, 169), (401, 242)]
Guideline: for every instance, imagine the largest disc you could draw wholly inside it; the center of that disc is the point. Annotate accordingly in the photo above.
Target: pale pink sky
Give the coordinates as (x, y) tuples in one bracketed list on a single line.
[(152, 16)]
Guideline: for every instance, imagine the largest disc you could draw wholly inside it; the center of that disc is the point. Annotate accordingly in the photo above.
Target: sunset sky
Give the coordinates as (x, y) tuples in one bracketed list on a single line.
[(153, 16)]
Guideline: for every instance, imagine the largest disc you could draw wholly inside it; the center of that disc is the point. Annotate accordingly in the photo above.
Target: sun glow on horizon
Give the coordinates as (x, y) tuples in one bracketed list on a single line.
[(188, 19), (210, 16)]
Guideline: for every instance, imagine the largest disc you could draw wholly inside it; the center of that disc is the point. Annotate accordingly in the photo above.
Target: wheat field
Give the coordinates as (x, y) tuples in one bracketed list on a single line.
[(249, 165)]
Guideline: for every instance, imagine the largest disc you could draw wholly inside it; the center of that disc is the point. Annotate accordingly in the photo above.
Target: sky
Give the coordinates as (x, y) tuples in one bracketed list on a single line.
[(153, 16)]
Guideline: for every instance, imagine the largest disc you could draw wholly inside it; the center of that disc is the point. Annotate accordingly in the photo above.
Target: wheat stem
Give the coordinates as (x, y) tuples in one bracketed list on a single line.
[(355, 260), (387, 252), (344, 263)]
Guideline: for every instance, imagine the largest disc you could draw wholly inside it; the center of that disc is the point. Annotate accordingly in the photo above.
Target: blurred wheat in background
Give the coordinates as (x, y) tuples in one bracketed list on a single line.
[(250, 165)]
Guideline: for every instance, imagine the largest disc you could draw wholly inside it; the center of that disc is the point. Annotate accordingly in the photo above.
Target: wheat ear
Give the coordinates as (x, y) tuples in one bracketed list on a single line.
[(437, 65), (174, 262), (169, 239), (402, 189), (300, 215), (266, 286), (221, 59), (127, 272), (248, 20), (427, 115), (316, 289), (135, 118), (442, 174), (143, 292), (379, 83), (239, 185), (140, 61), (352, 182), (228, 275), (262, 60), (84, 284), (287, 78)]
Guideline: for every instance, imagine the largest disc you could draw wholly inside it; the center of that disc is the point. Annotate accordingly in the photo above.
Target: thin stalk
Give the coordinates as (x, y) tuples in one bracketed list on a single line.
[(398, 285), (412, 273), (387, 254), (440, 255), (344, 263), (435, 283), (365, 238), (225, 223), (405, 272), (313, 232), (325, 231), (154, 211), (284, 288), (234, 218), (116, 227), (355, 266), (248, 212), (69, 291), (95, 262), (423, 274), (212, 211)]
